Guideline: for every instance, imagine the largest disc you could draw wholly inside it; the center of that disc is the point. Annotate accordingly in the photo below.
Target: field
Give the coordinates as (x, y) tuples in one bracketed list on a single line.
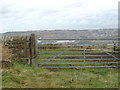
[(26, 76)]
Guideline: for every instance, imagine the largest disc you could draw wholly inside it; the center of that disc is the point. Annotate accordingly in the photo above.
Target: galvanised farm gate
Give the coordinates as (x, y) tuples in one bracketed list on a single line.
[(78, 53)]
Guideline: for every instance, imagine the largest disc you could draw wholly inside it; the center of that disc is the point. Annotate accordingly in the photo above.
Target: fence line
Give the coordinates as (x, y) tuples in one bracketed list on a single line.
[(80, 59), (62, 67), (79, 39)]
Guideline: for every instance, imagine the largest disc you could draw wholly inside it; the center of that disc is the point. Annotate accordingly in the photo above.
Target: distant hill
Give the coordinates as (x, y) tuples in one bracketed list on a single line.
[(82, 34)]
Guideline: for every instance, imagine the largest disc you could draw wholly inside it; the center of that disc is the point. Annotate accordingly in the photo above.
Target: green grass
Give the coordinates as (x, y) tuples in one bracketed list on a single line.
[(27, 76)]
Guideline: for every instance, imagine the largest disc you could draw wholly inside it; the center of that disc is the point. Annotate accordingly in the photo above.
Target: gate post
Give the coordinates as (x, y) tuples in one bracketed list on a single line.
[(33, 49)]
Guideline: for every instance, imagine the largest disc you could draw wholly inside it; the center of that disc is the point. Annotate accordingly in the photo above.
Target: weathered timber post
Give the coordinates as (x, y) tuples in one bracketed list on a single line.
[(33, 50)]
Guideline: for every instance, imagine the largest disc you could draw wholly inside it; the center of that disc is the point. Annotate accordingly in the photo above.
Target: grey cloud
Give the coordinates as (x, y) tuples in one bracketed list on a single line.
[(56, 18), (104, 19)]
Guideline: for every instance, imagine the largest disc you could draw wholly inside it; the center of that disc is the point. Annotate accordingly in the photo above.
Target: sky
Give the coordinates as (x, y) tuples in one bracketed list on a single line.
[(23, 15)]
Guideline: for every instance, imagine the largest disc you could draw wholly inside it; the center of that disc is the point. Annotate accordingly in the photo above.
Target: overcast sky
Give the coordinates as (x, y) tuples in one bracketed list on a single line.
[(22, 15)]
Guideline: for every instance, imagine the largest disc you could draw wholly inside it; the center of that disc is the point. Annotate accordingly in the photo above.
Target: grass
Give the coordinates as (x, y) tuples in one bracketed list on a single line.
[(27, 76)]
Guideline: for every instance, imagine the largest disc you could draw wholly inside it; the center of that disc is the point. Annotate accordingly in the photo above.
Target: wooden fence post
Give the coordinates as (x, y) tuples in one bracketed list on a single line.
[(33, 50)]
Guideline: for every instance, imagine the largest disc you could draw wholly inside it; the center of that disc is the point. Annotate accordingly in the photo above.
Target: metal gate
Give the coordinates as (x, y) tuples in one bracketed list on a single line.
[(78, 53)]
